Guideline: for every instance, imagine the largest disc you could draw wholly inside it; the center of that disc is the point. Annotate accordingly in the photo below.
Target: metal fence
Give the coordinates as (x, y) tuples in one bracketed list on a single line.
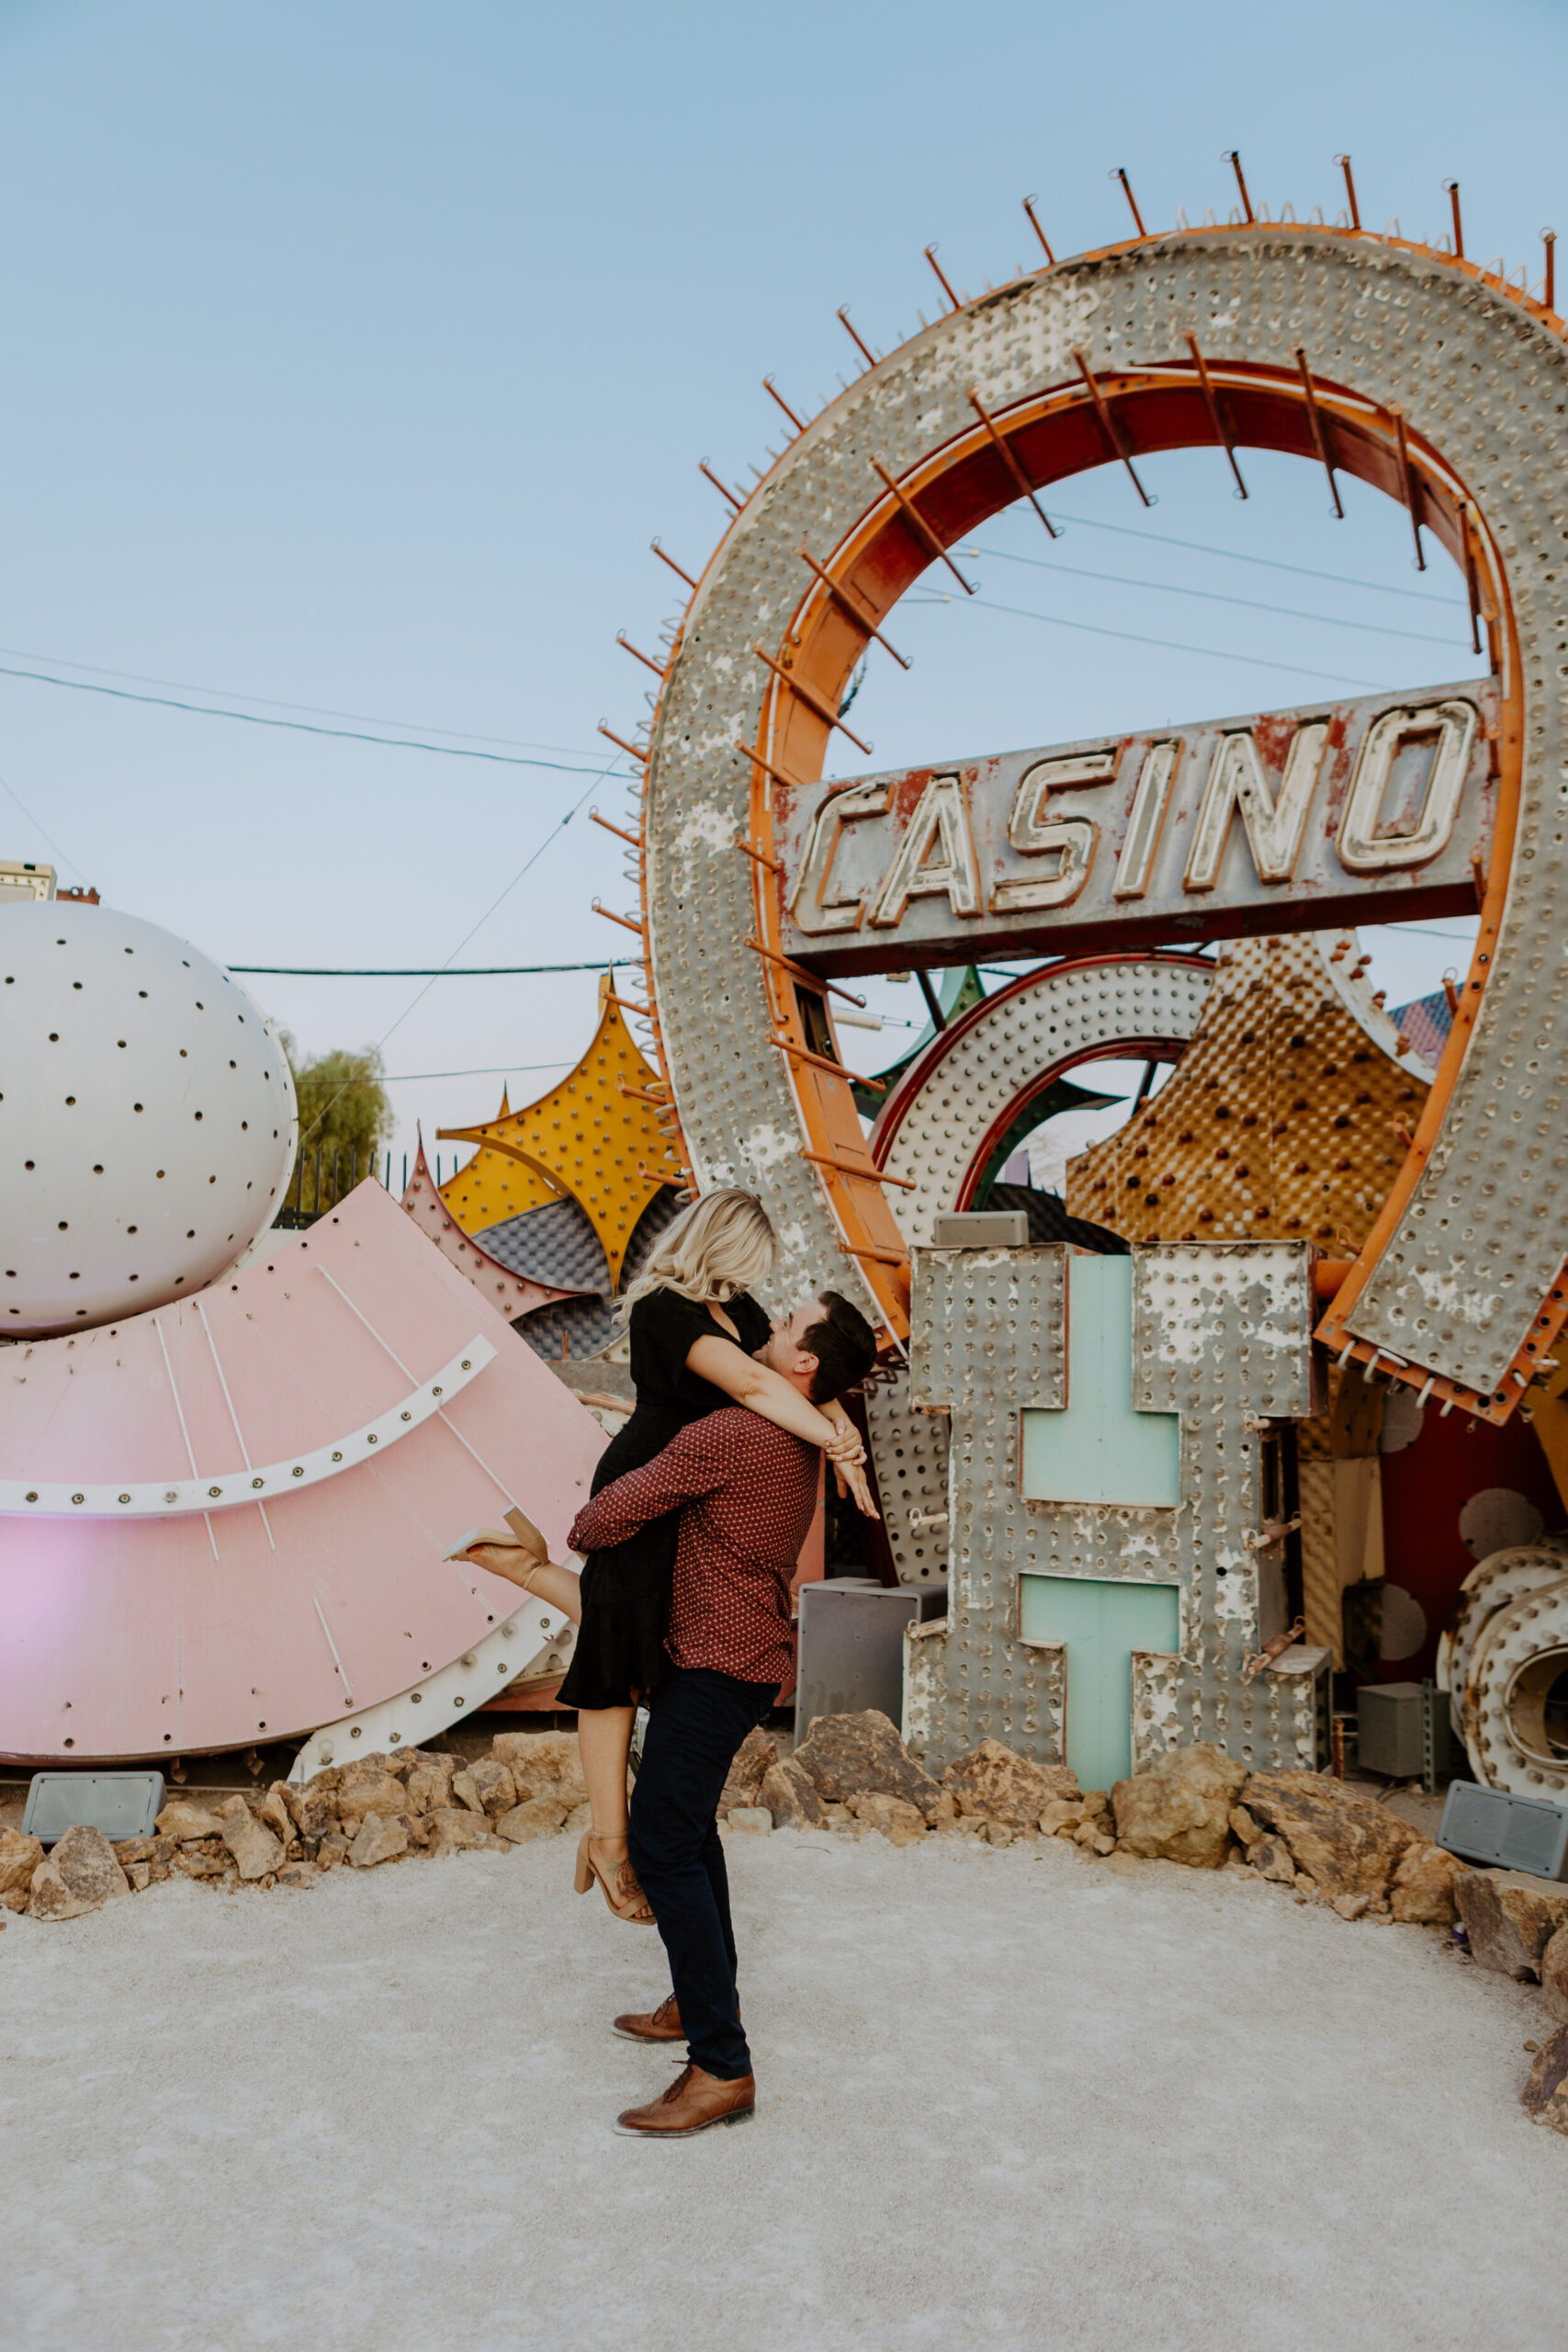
[(329, 1174)]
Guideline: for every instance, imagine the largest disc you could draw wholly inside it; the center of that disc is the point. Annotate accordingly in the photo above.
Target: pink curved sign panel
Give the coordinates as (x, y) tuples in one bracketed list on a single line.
[(284, 1587)]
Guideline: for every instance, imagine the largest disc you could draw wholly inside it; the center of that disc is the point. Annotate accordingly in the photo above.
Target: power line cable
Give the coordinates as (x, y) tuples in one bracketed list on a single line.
[(527, 865), (426, 971), (1212, 596), (1132, 636), (298, 725), (13, 796), (1265, 563), (492, 1070), (276, 702)]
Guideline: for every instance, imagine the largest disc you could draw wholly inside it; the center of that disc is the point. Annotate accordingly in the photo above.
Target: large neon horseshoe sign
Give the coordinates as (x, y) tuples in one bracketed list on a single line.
[(1424, 376)]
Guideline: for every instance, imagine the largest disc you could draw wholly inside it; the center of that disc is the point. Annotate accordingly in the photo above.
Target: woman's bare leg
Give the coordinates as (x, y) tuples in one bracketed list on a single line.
[(561, 1587), (603, 1740)]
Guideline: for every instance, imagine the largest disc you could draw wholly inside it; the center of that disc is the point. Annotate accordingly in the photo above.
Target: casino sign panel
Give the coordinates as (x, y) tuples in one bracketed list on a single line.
[(1377, 809)]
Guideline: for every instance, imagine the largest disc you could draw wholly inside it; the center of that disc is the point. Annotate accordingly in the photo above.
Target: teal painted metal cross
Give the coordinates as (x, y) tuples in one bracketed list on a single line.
[(1097, 1448)]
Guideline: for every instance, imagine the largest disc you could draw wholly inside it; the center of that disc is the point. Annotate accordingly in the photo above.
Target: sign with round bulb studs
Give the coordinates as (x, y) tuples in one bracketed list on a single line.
[(147, 1118)]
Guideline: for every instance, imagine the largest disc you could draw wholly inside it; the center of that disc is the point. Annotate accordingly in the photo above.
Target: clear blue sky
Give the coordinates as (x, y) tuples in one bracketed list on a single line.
[(355, 354)]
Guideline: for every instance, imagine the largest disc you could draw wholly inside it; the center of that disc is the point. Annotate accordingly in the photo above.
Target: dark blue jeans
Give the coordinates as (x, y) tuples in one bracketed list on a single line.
[(696, 1721)]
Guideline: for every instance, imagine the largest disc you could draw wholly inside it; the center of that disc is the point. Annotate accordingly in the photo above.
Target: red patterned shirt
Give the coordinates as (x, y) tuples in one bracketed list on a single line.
[(747, 1493)]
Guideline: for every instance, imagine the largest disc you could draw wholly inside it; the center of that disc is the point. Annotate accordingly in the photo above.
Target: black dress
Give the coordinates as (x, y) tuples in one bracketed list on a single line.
[(625, 1590)]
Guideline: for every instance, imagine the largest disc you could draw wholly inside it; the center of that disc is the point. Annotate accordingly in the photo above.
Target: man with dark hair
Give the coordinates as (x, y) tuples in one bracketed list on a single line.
[(746, 1491)]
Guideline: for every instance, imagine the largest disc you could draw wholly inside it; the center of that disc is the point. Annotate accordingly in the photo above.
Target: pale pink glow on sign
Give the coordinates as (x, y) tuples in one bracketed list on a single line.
[(133, 1637)]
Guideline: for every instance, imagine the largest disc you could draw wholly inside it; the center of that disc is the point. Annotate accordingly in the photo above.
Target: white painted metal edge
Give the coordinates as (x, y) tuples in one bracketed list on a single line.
[(415, 1715), (168, 1498)]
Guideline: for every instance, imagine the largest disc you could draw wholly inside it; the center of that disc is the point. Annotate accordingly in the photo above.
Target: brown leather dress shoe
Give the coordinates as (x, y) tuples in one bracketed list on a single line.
[(663, 2024), (693, 2102)]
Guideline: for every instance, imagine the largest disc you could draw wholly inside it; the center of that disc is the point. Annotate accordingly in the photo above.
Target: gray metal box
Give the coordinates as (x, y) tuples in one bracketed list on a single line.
[(852, 1645), (1517, 1833), (1388, 1730), (122, 1804), (980, 1229)]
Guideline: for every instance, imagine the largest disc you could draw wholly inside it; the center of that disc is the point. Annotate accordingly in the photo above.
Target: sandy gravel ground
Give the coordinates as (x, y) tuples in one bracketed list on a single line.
[(1006, 2100)]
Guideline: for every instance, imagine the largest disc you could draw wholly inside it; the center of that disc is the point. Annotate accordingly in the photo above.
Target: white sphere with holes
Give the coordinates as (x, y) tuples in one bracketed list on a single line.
[(147, 1117)]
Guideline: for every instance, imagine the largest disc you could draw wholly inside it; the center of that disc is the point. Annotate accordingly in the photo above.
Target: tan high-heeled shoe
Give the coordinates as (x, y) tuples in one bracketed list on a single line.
[(622, 1893), (519, 1535)]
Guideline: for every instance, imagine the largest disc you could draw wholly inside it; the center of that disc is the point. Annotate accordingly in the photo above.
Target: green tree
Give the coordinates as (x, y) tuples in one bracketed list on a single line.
[(344, 1117)]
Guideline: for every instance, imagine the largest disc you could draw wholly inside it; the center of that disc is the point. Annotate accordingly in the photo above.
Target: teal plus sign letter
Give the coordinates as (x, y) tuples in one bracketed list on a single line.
[(1110, 1567)]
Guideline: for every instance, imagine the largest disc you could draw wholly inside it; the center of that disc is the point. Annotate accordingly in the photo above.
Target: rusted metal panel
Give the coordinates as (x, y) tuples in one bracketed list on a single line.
[(1289, 1115), (1285, 820)]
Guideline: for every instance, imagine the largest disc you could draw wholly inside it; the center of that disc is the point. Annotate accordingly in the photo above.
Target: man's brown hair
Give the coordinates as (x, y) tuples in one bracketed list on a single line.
[(844, 1346)]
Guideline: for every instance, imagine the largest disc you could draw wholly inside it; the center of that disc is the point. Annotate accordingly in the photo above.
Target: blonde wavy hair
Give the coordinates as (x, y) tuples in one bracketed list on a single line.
[(721, 1245)]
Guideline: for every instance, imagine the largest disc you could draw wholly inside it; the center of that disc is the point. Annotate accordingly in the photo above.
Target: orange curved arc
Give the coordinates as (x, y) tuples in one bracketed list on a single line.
[(878, 559)]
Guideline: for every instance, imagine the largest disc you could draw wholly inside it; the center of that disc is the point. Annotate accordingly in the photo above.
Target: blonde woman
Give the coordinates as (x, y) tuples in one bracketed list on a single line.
[(693, 1327)]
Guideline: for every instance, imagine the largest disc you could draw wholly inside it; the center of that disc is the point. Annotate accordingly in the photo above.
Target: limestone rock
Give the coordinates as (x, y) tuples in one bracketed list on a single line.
[(1510, 1917), (453, 1827), (79, 1874), (1423, 1890), (535, 1817), (755, 1819), (192, 1862), (1000, 1785), (1349, 1844), (852, 1755), (995, 1833), (749, 1767), (128, 1851), (186, 1821), (255, 1850), (494, 1784), (1349, 1907), (1243, 1826), (900, 1823), (378, 1842), (19, 1858), (428, 1783), (1545, 2094), (312, 1809), (1554, 1972), (1270, 1857), (300, 1873), (545, 1762), (1063, 1814), (367, 1786), (332, 1850), (139, 1875), (791, 1796), (1180, 1811), (276, 1812)]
